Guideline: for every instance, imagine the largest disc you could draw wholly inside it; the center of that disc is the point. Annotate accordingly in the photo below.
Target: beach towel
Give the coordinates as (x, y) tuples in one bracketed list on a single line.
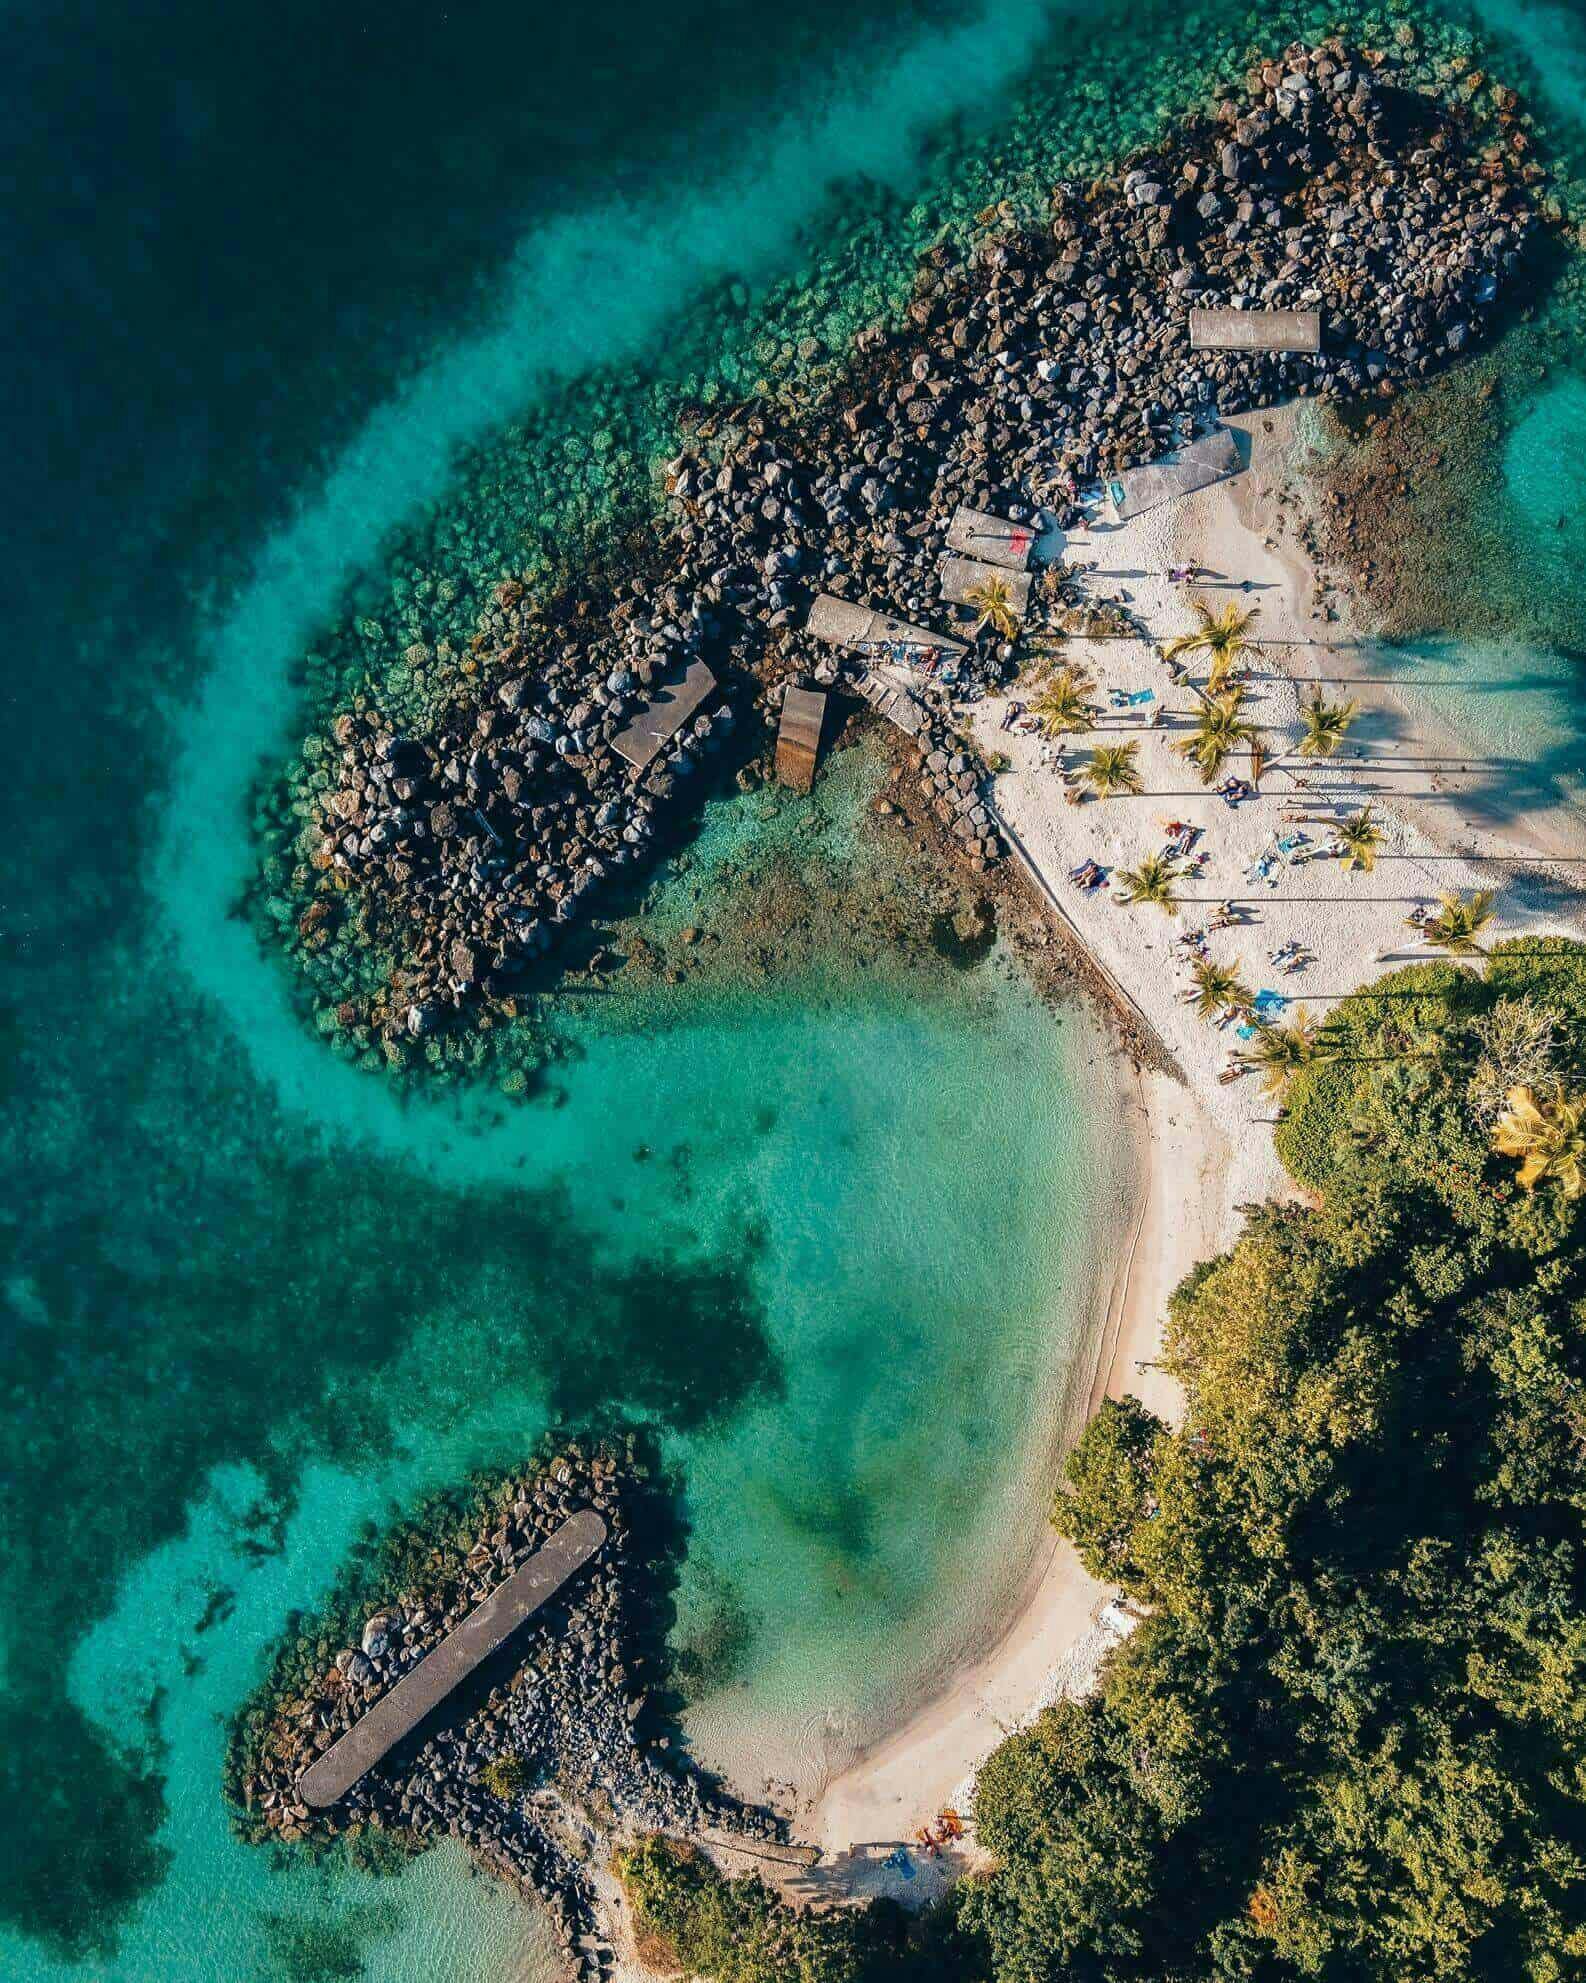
[(1269, 1001)]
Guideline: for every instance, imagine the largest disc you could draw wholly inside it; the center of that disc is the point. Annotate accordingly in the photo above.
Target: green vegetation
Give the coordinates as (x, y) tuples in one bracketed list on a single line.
[(507, 1777), (1219, 731), (1060, 708), (1360, 837), (688, 1918), (1347, 1740), (1217, 987), (1154, 880), (1224, 635), (1548, 1135), (1279, 1052), (992, 603), (1112, 768), (1326, 725), (1459, 922)]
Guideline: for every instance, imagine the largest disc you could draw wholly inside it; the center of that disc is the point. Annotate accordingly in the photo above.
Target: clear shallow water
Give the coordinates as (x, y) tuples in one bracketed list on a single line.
[(913, 1202), (830, 1237)]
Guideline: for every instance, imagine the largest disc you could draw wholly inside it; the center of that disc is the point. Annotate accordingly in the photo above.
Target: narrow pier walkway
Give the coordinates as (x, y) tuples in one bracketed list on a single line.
[(487, 1626)]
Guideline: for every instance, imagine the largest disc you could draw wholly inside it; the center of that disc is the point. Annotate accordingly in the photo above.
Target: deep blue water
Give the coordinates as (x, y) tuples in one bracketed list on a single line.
[(266, 267)]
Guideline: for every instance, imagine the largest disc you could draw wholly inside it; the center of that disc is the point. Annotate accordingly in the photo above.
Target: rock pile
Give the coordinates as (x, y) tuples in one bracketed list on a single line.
[(1021, 373), (532, 1774)]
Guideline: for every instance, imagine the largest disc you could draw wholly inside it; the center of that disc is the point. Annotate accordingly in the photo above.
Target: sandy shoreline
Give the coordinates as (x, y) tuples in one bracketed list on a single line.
[(907, 1777), (1203, 1147)]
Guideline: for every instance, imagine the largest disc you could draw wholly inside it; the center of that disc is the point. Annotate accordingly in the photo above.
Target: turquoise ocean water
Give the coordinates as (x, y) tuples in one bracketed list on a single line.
[(834, 1235)]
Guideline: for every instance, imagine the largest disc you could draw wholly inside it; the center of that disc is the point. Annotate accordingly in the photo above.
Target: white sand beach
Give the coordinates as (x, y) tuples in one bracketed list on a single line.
[(1206, 1145)]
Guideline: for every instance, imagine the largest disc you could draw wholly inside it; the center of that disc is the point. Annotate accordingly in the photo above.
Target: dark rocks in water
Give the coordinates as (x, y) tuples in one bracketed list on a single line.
[(545, 1751), (1044, 359)]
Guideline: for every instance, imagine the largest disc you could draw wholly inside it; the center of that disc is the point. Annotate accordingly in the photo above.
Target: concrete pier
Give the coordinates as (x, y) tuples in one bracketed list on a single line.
[(663, 716), (417, 1693), (844, 624), (962, 576), (1195, 466), (1256, 330), (991, 539)]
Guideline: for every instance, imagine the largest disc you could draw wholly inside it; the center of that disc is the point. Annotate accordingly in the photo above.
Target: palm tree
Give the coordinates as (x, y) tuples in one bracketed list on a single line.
[(1217, 986), (993, 603), (1061, 707), (1458, 923), (1360, 837), (1281, 1051), (1326, 725), (1111, 768), (1219, 731), (1151, 881), (1549, 1137), (1222, 635)]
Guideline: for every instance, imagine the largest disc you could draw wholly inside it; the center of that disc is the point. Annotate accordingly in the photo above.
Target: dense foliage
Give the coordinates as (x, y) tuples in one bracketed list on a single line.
[(1349, 1739), (688, 1918)]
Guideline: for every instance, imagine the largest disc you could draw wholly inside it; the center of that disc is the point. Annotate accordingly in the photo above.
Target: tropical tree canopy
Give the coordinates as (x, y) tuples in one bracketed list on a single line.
[(1346, 1741), (1152, 881), (1060, 708), (1279, 1052), (993, 605), (1220, 632), (1217, 987), (1219, 731), (1459, 921), (1549, 1138), (1112, 768), (1326, 725), (1360, 837)]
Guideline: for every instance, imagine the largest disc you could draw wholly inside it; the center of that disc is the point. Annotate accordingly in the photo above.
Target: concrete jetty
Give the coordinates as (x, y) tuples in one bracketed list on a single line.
[(893, 702), (1197, 465), (962, 576), (1256, 330), (992, 539), (798, 737), (416, 1694), (843, 624), (643, 740)]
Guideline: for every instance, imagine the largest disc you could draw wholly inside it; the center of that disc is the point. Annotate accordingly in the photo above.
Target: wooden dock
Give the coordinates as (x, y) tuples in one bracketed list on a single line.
[(1197, 465), (962, 576), (798, 737), (1256, 330), (668, 709), (421, 1690), (991, 539)]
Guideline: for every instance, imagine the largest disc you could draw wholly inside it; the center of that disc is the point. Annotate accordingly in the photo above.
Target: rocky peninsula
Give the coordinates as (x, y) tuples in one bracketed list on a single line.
[(438, 872), (555, 1746)]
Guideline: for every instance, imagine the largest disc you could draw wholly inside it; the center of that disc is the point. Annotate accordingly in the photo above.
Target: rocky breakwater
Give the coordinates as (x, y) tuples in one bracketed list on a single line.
[(1022, 370), (472, 847), (544, 1755)]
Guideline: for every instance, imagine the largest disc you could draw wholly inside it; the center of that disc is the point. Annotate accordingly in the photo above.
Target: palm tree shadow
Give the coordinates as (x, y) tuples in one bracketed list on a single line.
[(1503, 787)]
